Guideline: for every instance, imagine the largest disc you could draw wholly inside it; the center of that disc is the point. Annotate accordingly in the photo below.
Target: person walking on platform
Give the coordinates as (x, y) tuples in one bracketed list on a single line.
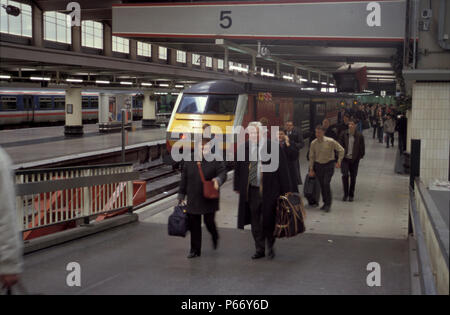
[(402, 125), (296, 140), (389, 129), (322, 162), (291, 152), (353, 142), (380, 123), (259, 190), (191, 185), (10, 239)]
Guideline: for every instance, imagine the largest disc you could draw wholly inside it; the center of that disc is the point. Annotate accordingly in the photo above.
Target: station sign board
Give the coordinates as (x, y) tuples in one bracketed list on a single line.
[(297, 20)]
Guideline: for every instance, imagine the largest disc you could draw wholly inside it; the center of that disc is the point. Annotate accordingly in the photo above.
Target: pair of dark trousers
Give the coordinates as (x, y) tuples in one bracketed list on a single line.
[(195, 226), (257, 222), (374, 131), (389, 135), (380, 134), (349, 167), (324, 173)]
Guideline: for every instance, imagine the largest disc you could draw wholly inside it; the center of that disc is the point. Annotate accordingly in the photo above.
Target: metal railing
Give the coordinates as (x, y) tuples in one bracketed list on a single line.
[(46, 197)]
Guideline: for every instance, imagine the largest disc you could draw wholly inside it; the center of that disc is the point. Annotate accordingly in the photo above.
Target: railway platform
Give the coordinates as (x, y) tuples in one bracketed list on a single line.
[(330, 258), (32, 147)]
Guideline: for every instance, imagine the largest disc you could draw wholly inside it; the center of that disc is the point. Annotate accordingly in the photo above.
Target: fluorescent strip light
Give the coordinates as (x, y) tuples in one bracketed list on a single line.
[(303, 80), (101, 82), (125, 83), (146, 84), (286, 77), (323, 83), (74, 80), (5, 76), (314, 81), (332, 84), (164, 85), (175, 93), (178, 86), (39, 79), (232, 67), (267, 74)]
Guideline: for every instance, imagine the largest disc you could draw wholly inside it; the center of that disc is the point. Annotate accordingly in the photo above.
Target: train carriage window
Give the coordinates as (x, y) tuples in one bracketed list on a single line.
[(94, 102), (85, 102), (60, 102), (45, 102), (8, 103), (208, 104)]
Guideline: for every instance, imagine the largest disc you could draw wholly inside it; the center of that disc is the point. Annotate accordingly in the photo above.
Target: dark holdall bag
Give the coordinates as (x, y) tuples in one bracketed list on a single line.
[(365, 124), (178, 221), (290, 217), (311, 189)]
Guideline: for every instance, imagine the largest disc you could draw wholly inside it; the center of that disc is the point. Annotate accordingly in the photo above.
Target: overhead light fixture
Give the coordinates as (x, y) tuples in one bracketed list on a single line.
[(323, 83), (125, 83), (101, 82), (303, 80), (4, 76), (146, 84), (267, 74), (39, 79), (161, 93), (314, 81), (286, 77), (238, 68), (175, 93), (179, 86), (164, 85), (74, 80)]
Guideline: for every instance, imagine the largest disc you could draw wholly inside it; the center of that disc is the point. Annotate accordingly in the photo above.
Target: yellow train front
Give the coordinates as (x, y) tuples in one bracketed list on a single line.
[(220, 104)]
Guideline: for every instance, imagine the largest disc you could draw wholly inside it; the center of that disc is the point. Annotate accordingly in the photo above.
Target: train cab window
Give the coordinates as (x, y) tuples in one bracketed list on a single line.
[(85, 102), (94, 102), (45, 102), (60, 102), (8, 103), (208, 104)]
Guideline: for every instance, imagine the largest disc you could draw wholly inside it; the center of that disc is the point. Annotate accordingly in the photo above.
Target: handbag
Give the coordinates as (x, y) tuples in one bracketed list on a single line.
[(311, 189), (209, 191), (178, 221), (290, 217)]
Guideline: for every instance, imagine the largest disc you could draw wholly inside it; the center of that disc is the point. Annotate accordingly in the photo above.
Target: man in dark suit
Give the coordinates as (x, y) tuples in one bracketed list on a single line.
[(259, 190), (296, 140), (353, 142)]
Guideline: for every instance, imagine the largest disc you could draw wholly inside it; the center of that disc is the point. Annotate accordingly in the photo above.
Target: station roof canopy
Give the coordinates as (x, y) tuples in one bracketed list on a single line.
[(313, 32)]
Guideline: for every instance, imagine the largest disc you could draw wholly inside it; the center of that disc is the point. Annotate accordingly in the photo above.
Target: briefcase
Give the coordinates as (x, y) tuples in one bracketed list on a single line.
[(290, 216), (311, 189)]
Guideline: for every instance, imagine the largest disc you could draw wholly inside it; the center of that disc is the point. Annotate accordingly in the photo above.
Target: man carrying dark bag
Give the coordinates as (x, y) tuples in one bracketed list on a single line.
[(353, 143)]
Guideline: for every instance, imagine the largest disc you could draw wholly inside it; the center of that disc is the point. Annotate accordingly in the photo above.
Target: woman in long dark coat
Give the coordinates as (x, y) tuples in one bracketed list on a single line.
[(197, 205)]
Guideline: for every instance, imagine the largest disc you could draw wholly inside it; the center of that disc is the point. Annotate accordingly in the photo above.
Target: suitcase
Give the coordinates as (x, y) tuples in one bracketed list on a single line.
[(178, 222), (290, 216), (311, 190)]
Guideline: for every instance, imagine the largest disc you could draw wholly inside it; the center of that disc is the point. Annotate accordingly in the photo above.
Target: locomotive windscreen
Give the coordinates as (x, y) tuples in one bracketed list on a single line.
[(208, 104)]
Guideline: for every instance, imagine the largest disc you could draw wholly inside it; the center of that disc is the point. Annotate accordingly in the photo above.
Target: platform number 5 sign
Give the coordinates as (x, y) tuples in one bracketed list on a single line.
[(75, 13)]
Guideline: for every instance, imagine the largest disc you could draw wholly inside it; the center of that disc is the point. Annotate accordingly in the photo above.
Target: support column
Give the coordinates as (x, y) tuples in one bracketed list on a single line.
[(76, 38), (133, 49), (296, 79), (277, 74), (107, 40), (225, 61), (103, 108), (74, 119), (149, 111), (38, 26), (253, 67)]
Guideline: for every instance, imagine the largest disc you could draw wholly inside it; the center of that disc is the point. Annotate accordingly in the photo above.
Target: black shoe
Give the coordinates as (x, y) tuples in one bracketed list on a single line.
[(326, 208), (193, 255), (271, 254), (215, 242), (350, 199), (345, 198), (258, 255)]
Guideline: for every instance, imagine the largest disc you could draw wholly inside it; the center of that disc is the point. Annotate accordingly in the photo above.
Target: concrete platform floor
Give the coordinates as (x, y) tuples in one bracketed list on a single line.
[(36, 144), (141, 258)]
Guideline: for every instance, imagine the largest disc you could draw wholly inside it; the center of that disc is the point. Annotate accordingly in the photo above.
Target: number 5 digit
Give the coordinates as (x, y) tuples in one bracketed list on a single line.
[(223, 16)]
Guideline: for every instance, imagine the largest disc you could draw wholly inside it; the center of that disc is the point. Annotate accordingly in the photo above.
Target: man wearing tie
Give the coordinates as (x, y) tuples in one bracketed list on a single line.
[(259, 190)]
